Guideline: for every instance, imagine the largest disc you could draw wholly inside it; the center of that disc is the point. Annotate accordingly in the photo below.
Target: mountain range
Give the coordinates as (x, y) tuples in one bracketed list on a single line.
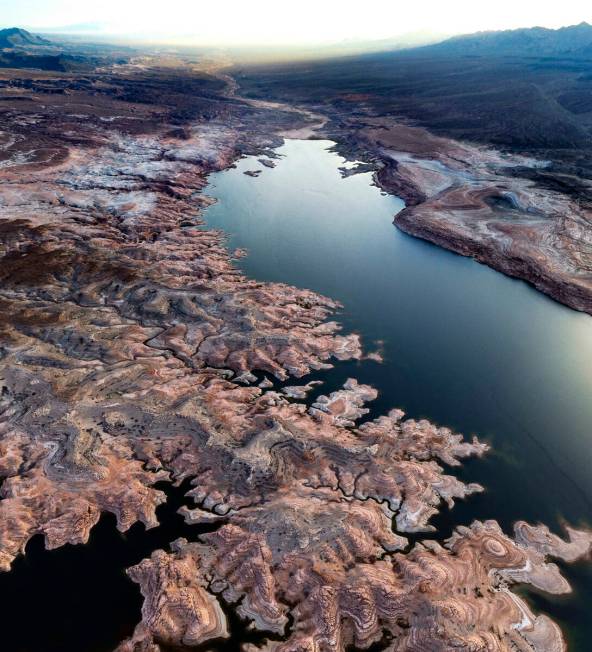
[(15, 37), (575, 40)]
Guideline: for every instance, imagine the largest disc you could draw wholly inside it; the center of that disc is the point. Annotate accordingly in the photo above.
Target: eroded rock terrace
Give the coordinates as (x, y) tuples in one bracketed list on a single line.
[(132, 352)]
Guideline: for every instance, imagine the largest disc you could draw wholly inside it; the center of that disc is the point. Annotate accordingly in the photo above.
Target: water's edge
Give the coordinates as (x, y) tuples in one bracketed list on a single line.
[(464, 345)]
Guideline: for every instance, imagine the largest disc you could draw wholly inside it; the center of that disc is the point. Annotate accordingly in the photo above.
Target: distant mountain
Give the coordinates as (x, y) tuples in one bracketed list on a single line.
[(575, 40), (14, 37)]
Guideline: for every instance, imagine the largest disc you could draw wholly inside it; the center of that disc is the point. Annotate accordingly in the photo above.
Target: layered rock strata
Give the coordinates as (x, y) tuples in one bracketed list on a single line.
[(473, 200), (347, 587), (133, 352)]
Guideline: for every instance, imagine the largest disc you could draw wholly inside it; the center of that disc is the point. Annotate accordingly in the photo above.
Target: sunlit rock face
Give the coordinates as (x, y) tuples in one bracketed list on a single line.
[(178, 610), (133, 352), (334, 569), (469, 199)]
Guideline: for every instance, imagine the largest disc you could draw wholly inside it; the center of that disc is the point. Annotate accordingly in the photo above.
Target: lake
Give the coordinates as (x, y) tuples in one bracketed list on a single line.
[(463, 345)]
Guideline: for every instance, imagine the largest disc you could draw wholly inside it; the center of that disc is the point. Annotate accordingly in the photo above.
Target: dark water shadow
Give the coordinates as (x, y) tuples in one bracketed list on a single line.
[(79, 598)]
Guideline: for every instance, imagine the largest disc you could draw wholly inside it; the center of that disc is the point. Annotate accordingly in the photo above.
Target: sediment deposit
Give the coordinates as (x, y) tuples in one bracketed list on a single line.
[(133, 351)]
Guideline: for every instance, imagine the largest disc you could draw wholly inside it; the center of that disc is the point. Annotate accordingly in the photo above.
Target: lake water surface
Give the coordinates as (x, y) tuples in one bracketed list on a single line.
[(464, 346)]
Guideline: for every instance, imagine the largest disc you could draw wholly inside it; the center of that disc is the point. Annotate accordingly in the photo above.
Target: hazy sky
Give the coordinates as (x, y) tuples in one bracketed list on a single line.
[(273, 22)]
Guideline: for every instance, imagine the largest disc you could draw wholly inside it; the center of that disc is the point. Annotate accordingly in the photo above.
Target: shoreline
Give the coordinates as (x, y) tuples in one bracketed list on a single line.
[(469, 199), (130, 346)]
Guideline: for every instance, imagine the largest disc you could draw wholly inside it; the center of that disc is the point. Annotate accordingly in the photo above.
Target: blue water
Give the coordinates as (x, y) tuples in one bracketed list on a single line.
[(464, 346)]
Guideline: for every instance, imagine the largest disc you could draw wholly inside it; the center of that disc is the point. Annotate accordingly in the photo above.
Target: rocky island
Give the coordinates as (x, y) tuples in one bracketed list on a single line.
[(135, 352)]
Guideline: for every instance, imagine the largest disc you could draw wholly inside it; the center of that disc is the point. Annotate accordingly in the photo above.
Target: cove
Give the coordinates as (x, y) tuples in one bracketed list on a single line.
[(79, 598), (463, 345)]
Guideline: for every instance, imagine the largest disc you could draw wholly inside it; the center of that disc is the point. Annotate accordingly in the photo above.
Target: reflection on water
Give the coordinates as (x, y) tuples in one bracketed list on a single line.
[(463, 345)]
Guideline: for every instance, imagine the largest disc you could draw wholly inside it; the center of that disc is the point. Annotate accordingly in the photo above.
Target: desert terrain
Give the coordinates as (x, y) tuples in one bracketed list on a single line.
[(134, 352)]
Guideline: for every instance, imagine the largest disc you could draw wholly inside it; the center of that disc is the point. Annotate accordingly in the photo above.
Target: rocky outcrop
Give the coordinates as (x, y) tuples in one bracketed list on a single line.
[(465, 198), (347, 585), (178, 609)]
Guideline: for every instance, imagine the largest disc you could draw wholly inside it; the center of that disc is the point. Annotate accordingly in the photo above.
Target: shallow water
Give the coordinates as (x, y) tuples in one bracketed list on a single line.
[(463, 345)]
